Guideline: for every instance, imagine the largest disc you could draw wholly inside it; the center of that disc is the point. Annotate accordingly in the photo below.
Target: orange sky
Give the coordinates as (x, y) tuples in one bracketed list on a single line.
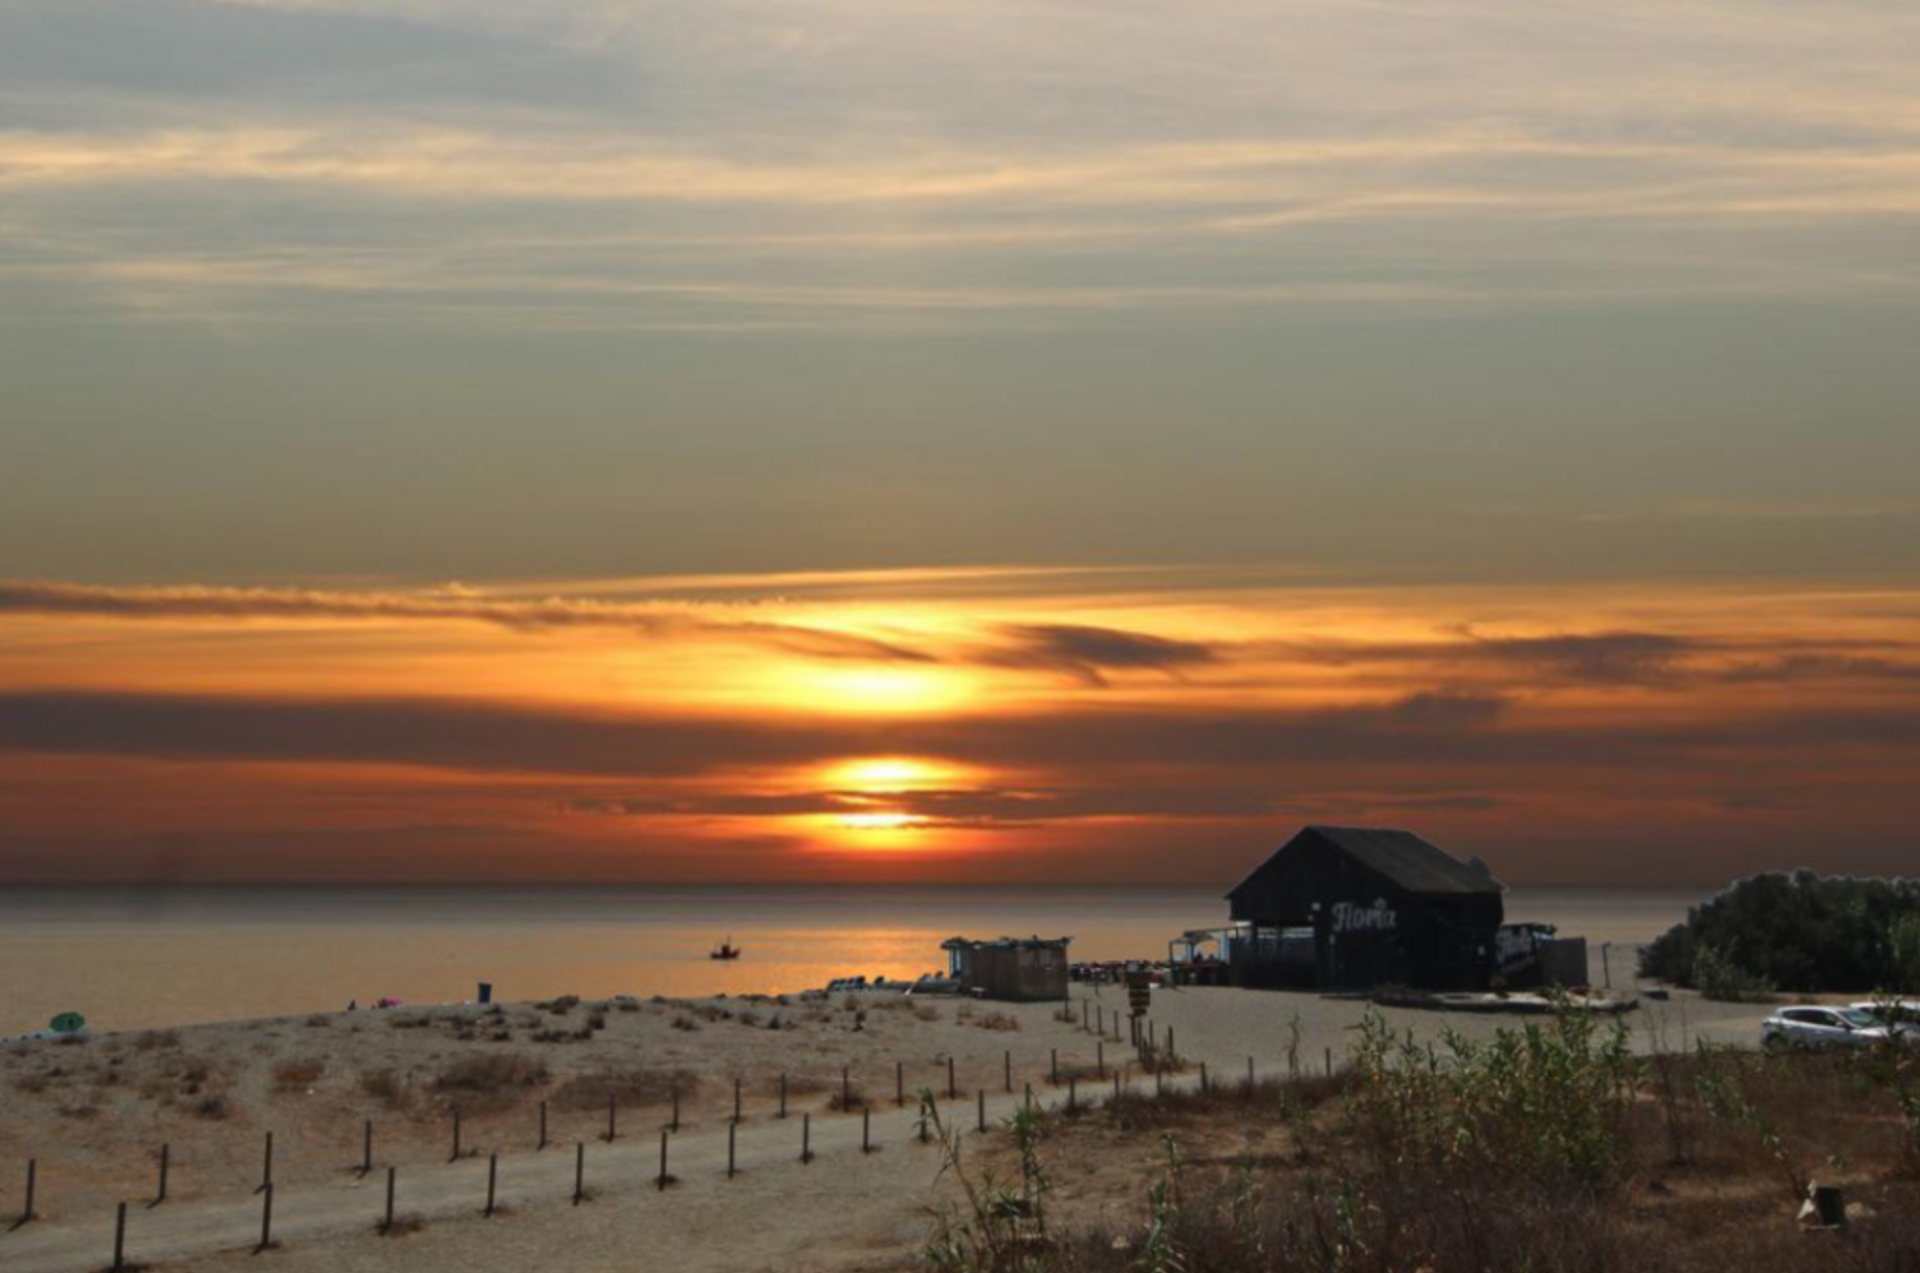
[(1119, 725)]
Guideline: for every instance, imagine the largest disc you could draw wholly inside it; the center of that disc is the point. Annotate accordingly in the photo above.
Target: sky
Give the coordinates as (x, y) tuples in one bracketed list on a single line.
[(834, 440)]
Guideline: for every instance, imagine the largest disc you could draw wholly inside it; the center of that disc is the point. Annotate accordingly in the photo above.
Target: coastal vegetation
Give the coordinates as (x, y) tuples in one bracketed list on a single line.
[(1547, 1147), (1797, 932)]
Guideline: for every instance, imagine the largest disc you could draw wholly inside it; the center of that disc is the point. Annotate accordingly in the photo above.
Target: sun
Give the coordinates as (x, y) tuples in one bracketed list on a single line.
[(879, 775), (878, 820)]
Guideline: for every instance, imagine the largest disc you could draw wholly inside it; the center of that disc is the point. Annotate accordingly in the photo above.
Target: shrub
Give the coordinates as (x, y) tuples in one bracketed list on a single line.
[(997, 1021), (148, 1040), (292, 1076), (491, 1075), (384, 1085), (1801, 932), (633, 1085), (1542, 1105), (1719, 977)]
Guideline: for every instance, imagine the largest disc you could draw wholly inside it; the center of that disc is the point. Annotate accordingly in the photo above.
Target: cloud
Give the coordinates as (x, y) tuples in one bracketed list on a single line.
[(455, 605), (1088, 653), (1082, 652), (1414, 730)]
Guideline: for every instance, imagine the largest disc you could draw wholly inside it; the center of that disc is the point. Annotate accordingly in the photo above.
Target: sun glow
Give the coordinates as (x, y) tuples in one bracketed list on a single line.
[(878, 774), (881, 689), (878, 820)]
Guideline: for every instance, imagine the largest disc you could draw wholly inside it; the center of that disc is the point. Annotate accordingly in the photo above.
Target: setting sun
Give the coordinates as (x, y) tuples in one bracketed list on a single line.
[(892, 773)]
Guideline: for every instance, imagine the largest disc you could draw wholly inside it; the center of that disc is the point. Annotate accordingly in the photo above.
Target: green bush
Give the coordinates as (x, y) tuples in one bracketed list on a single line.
[(1720, 977), (1543, 1105), (1799, 932)]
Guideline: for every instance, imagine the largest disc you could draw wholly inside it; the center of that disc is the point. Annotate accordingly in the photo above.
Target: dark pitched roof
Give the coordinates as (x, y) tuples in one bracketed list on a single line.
[(1415, 864)]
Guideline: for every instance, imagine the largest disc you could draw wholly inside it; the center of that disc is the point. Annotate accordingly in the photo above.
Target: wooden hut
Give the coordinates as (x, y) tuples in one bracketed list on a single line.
[(1351, 908), (1016, 968)]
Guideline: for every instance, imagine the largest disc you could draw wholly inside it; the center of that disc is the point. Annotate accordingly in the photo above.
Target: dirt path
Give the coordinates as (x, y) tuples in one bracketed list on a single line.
[(845, 1210)]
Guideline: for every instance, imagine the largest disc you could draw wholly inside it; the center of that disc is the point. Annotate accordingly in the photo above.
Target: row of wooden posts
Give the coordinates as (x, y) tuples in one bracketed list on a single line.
[(1094, 1020), (661, 1181)]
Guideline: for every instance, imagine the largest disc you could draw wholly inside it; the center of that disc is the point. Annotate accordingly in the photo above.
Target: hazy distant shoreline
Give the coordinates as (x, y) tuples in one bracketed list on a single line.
[(131, 959)]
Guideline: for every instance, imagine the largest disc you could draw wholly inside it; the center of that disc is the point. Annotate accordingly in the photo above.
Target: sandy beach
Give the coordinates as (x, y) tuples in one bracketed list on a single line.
[(95, 1114)]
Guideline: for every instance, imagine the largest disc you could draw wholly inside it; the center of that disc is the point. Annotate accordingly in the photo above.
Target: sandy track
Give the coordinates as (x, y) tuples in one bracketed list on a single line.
[(845, 1210)]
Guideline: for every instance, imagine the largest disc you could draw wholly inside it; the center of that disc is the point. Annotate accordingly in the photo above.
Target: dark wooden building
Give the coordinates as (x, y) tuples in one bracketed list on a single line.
[(1350, 908), (1016, 968)]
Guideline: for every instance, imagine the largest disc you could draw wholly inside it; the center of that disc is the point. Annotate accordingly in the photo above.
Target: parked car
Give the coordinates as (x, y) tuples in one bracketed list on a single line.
[(1819, 1026), (1902, 1014)]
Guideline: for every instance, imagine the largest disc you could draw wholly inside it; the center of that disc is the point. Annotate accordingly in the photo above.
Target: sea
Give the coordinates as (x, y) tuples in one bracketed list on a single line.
[(151, 957)]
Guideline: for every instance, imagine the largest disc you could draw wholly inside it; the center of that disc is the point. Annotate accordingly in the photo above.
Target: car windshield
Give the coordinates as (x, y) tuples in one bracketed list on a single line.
[(1859, 1020)]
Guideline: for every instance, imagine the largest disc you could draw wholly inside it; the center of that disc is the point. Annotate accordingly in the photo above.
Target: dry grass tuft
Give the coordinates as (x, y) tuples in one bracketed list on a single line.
[(634, 1085), (298, 1074), (497, 1078), (385, 1086)]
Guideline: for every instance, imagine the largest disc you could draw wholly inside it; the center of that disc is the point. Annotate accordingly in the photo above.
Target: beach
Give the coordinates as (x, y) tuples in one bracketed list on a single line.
[(94, 1115), (153, 957)]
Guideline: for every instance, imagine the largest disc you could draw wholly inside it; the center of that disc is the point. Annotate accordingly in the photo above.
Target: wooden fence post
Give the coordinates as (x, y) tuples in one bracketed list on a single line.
[(866, 1129), (1249, 1074), (612, 1115), (266, 1222), (899, 1083), (266, 1167), (1006, 1063), (1073, 1092), (1171, 1054), (1329, 1062), (846, 1090), (543, 1128), (732, 1169), (982, 1119), (783, 1093), (120, 1238), (366, 1151), (493, 1180), (386, 1226), (166, 1162), (663, 1160), (1203, 1078), (33, 1175), (579, 1171), (1116, 1089), (806, 1137)]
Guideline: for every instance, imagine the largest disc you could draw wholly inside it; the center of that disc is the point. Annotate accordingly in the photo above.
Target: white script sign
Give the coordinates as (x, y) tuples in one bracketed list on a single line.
[(1350, 917)]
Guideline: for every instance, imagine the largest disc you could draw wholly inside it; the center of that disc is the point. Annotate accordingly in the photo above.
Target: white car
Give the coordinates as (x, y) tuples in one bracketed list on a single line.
[(1901, 1014), (1818, 1026)]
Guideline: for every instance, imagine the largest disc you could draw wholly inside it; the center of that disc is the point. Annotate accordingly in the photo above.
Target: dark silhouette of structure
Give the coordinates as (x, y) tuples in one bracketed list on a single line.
[(1354, 908)]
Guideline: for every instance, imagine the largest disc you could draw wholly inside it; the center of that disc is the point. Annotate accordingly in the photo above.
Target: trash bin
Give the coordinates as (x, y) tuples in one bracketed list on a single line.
[(486, 992)]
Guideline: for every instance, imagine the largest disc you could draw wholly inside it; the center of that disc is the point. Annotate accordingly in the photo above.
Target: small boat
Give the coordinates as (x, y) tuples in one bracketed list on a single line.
[(726, 950)]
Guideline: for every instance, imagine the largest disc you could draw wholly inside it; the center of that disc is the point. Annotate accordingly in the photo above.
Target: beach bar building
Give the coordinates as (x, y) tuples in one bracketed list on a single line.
[(1017, 968), (1353, 908)]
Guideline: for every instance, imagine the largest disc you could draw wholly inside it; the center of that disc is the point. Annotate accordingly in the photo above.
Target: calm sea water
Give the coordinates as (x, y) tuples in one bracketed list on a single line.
[(135, 959)]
